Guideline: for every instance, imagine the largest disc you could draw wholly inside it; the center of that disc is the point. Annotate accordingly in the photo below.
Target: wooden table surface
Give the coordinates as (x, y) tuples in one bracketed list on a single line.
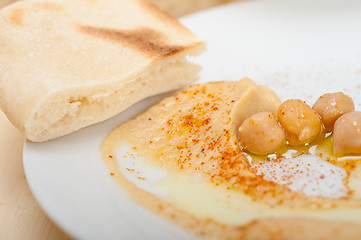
[(20, 215)]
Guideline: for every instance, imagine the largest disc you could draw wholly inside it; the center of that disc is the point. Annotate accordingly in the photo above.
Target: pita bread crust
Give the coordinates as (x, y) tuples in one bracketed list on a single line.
[(58, 52)]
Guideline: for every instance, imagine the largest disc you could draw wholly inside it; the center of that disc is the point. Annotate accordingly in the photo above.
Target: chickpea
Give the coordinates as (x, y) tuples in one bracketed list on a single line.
[(261, 134), (331, 106), (347, 134), (300, 121)]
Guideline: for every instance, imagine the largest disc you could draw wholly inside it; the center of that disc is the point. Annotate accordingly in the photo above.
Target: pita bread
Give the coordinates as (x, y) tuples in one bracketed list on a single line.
[(176, 8), (68, 64)]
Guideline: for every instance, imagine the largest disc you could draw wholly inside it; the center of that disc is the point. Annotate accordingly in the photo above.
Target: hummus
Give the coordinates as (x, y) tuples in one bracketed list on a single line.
[(207, 184)]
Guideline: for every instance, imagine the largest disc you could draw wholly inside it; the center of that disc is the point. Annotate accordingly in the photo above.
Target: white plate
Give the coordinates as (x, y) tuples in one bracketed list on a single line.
[(301, 49)]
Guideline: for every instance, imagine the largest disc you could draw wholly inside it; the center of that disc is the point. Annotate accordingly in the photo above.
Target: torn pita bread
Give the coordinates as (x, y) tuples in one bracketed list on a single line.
[(68, 64)]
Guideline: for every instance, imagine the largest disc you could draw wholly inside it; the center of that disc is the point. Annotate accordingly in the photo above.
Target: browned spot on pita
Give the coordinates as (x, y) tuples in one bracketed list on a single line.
[(16, 17), (144, 40)]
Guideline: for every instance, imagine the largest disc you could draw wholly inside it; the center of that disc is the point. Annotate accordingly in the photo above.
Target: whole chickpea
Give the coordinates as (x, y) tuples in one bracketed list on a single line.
[(347, 134), (261, 134), (300, 121), (331, 106)]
